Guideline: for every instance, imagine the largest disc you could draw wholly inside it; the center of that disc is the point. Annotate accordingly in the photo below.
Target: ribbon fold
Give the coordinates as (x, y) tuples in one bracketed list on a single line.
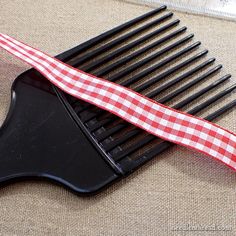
[(162, 121)]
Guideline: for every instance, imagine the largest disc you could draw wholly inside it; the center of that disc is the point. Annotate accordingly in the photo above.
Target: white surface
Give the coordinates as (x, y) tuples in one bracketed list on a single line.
[(217, 8)]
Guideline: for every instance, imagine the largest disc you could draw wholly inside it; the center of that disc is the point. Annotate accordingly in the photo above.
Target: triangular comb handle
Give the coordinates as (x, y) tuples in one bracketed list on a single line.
[(40, 138)]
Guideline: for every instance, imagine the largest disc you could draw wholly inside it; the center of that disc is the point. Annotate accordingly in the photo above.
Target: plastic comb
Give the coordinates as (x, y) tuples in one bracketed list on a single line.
[(50, 134)]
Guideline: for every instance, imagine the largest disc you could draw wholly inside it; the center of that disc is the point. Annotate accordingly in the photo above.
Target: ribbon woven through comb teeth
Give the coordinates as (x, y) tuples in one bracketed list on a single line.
[(162, 121)]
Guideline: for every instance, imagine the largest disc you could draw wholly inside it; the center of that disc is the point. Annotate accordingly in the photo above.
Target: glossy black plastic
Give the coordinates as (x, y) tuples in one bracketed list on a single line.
[(41, 138), (52, 135)]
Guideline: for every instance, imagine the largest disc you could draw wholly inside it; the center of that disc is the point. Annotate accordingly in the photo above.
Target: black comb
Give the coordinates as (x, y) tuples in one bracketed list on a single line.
[(48, 133)]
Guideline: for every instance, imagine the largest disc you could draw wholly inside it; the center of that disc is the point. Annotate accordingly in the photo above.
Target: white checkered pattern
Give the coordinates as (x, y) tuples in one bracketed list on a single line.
[(155, 118)]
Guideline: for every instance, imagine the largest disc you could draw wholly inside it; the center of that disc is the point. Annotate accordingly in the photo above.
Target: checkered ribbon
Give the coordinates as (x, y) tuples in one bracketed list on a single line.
[(147, 114)]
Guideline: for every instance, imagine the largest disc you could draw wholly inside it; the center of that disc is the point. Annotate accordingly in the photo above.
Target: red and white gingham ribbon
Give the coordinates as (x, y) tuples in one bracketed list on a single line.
[(157, 119)]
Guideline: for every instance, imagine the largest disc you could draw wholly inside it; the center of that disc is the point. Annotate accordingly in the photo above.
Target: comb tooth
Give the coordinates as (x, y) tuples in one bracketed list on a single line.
[(119, 40), (175, 93), (159, 65), (136, 54), (180, 78), (130, 165), (169, 97), (161, 89), (118, 156), (216, 97), (109, 132), (99, 124), (158, 78), (170, 71), (179, 105), (221, 111), (88, 116), (141, 51), (109, 146), (78, 107), (114, 54), (168, 85), (133, 148), (94, 41), (94, 127), (201, 92), (148, 59), (81, 108)]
